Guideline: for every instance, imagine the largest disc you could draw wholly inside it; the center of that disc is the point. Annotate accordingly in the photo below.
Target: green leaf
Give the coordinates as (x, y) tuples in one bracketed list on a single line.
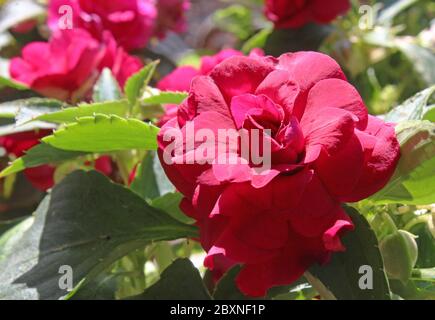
[(7, 82), (415, 108), (87, 223), (426, 245), (106, 88), (226, 288), (170, 203), (414, 179), (118, 108), (388, 14), (341, 275), (165, 97), (102, 287), (258, 40), (180, 281), (150, 181), (430, 114), (102, 133), (11, 237), (137, 83), (235, 19), (25, 110), (422, 59), (9, 224), (13, 128), (14, 12), (38, 155)]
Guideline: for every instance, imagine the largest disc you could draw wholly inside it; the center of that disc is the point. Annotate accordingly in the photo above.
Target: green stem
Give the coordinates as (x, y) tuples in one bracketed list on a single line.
[(324, 292)]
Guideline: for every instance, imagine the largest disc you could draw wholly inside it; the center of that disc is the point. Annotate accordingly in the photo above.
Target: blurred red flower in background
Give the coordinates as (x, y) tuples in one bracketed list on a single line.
[(296, 13), (170, 16), (131, 22), (68, 65)]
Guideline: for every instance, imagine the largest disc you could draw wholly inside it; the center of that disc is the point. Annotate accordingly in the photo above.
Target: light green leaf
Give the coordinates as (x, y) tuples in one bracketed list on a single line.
[(15, 12), (414, 179), (165, 97), (13, 128), (7, 82), (415, 108), (12, 236), (388, 14), (137, 83), (102, 133), (430, 114), (170, 203), (106, 88), (25, 110), (150, 181), (258, 40), (38, 155), (180, 281), (118, 108), (87, 223), (423, 59), (341, 277), (5, 77), (236, 19)]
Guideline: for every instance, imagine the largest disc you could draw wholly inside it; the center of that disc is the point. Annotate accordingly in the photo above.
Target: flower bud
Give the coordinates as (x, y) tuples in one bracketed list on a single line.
[(399, 251)]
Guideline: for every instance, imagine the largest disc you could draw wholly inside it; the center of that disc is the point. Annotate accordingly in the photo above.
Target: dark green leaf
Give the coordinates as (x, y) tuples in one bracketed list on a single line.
[(426, 245), (341, 276), (180, 281), (87, 222), (38, 155), (226, 288)]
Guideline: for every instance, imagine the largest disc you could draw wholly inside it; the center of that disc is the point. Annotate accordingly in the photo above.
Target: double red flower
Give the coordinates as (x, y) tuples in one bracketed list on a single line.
[(326, 150)]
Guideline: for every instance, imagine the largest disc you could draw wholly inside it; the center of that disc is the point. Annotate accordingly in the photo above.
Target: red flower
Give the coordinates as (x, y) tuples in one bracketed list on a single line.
[(119, 61), (67, 66), (296, 13), (131, 22), (25, 27), (16, 144), (41, 177), (170, 16), (180, 78), (61, 68), (325, 150)]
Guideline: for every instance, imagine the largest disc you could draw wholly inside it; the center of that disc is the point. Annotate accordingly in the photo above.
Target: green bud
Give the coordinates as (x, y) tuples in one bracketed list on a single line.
[(399, 251)]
